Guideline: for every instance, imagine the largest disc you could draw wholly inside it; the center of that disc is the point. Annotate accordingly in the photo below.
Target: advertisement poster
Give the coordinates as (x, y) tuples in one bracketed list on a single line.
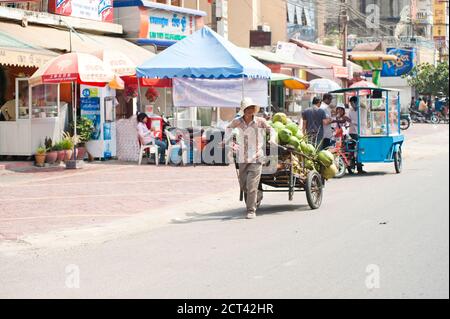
[(403, 65), (99, 10), (164, 25), (107, 138), (90, 108)]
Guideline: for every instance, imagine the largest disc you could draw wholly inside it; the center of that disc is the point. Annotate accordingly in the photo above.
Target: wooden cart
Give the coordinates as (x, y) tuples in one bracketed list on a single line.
[(286, 180)]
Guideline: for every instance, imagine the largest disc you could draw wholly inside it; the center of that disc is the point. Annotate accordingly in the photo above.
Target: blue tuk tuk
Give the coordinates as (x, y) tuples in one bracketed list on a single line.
[(379, 131)]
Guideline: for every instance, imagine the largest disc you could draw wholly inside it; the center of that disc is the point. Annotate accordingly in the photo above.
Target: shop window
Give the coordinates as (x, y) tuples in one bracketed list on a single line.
[(393, 115), (44, 101), (23, 102), (376, 124)]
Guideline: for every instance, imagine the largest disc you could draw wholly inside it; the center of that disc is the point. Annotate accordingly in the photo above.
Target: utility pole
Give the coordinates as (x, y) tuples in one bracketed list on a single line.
[(214, 15), (344, 19)]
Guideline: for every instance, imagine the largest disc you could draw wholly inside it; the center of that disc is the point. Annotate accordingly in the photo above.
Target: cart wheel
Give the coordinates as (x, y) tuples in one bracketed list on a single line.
[(340, 163), (405, 124), (314, 190), (398, 161)]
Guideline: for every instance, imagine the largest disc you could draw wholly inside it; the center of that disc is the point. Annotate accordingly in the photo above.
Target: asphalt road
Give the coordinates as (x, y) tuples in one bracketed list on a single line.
[(376, 236)]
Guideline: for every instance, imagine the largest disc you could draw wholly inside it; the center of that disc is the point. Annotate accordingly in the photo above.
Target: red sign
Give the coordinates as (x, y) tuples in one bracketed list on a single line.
[(99, 10), (340, 71)]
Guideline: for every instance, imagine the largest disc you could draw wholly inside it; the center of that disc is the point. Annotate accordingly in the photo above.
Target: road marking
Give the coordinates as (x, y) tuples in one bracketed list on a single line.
[(95, 196)]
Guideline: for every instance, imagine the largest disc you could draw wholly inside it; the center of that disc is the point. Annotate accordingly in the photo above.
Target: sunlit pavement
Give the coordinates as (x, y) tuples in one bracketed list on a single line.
[(380, 235)]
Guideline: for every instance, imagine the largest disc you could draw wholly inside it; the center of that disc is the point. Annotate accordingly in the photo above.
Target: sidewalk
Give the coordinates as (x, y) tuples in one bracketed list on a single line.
[(35, 201)]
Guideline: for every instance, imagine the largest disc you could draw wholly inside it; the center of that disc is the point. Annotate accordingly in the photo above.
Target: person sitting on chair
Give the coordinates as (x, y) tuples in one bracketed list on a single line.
[(147, 137)]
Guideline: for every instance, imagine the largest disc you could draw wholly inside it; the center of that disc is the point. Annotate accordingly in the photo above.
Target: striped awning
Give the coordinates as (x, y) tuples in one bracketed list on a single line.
[(17, 53)]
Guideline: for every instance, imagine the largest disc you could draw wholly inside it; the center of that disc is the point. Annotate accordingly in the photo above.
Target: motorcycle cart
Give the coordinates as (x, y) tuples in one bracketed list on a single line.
[(381, 141)]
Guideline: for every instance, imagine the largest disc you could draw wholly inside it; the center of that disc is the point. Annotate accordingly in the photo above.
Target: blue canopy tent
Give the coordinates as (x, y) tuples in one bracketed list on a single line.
[(205, 55), (212, 67)]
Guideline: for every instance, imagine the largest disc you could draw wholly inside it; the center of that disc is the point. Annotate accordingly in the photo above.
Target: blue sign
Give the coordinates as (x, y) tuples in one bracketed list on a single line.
[(403, 65), (90, 108)]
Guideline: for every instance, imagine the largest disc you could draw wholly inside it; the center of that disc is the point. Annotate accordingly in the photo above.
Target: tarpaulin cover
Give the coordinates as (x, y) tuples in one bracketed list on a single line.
[(206, 55), (218, 93)]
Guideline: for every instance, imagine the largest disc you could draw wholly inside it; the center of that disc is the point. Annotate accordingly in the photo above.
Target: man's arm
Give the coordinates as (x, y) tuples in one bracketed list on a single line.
[(326, 120)]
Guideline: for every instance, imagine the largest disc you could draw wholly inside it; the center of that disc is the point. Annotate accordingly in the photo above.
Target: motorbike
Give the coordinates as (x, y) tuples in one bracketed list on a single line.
[(405, 121), (344, 152), (421, 117)]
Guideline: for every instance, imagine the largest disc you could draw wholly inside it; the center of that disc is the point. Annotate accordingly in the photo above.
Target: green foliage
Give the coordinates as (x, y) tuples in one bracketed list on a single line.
[(41, 150), (58, 146), (48, 144), (67, 143), (428, 79), (85, 128)]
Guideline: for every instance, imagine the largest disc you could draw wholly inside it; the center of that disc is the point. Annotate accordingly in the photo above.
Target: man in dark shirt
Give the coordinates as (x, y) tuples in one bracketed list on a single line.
[(314, 118)]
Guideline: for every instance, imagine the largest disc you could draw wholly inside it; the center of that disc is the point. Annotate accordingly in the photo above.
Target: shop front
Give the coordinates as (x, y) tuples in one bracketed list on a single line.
[(22, 51), (28, 114)]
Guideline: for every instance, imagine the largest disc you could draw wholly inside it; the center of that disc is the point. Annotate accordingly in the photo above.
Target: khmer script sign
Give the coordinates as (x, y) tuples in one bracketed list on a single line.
[(169, 26)]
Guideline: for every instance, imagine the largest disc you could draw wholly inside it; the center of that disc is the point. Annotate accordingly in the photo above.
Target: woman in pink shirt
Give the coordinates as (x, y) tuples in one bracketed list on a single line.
[(147, 137)]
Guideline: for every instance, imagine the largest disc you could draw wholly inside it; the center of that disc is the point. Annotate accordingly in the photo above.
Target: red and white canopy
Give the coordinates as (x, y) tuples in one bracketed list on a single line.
[(81, 68), (362, 84), (117, 61)]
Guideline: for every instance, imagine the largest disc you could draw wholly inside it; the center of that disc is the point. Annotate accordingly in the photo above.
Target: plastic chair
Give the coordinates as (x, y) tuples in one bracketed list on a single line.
[(171, 148), (152, 148)]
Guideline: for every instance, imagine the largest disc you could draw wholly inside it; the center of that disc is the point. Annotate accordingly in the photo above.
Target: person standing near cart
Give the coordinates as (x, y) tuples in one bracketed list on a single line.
[(358, 107), (253, 130), (314, 120), (327, 129)]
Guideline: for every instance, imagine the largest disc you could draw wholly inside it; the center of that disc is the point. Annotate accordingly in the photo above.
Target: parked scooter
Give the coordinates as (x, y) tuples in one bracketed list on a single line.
[(420, 117), (405, 121)]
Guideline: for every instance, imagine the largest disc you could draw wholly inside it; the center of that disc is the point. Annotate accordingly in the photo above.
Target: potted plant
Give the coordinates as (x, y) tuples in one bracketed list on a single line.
[(85, 128), (51, 155), (40, 156), (58, 147), (67, 145)]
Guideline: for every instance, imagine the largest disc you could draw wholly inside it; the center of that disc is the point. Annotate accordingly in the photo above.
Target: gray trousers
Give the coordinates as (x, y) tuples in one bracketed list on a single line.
[(249, 177)]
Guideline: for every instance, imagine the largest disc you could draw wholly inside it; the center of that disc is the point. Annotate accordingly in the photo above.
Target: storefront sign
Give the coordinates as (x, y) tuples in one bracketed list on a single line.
[(17, 57), (403, 65), (440, 23), (340, 71), (164, 25), (90, 92), (90, 108), (99, 10)]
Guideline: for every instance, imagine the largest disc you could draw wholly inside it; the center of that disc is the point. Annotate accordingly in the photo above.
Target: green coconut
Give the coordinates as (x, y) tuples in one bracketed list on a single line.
[(278, 126), (329, 172), (293, 128), (326, 158), (285, 136), (303, 147), (310, 149), (280, 117), (294, 142)]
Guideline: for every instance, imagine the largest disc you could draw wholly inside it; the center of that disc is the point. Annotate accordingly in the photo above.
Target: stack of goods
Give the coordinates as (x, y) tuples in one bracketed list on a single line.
[(127, 140), (305, 155)]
